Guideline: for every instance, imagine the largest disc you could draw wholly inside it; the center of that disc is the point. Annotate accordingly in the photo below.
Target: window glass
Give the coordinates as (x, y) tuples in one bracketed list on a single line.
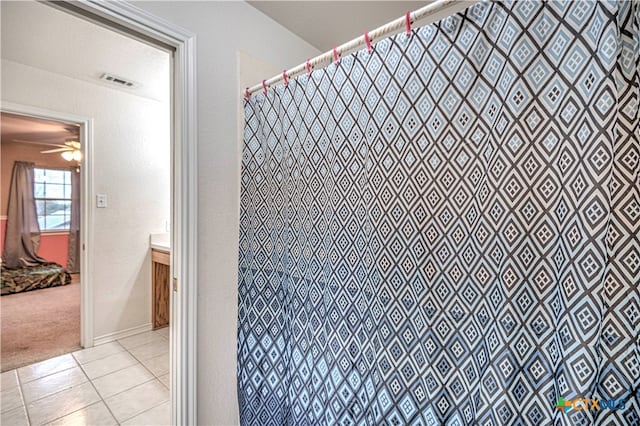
[(52, 189)]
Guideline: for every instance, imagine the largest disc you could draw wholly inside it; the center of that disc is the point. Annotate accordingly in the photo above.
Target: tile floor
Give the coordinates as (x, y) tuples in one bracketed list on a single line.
[(125, 382)]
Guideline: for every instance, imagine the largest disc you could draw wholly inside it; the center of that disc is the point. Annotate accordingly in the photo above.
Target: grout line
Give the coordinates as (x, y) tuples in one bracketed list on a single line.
[(113, 416), (147, 410), (100, 396), (72, 386), (58, 391), (48, 422), (141, 344), (146, 368), (104, 375), (161, 382), (72, 412), (24, 403), (50, 374), (114, 371), (127, 389), (98, 359), (154, 377)]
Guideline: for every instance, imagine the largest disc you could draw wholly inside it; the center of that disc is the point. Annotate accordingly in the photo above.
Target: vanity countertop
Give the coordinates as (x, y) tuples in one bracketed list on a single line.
[(160, 242)]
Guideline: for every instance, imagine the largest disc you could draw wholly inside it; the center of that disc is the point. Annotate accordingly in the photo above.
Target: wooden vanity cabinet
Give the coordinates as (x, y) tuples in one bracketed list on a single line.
[(160, 283)]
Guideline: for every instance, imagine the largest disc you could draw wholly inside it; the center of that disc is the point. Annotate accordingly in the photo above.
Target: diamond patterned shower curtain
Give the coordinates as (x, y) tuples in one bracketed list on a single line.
[(445, 230)]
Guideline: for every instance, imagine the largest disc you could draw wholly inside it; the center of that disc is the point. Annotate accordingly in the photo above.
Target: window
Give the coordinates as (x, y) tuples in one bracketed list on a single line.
[(52, 190)]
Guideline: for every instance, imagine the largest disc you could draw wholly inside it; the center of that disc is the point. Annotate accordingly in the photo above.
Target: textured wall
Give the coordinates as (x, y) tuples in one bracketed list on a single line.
[(131, 166), (222, 29)]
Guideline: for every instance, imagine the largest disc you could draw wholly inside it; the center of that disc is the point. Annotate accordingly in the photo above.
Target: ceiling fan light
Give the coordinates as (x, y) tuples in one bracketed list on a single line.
[(77, 155), (67, 155)]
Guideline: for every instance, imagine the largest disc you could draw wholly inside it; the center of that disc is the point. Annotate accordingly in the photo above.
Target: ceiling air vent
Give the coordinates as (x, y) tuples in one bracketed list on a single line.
[(118, 81)]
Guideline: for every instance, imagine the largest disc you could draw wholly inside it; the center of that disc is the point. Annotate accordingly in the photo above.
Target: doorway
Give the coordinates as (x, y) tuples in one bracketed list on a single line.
[(183, 185), (38, 325)]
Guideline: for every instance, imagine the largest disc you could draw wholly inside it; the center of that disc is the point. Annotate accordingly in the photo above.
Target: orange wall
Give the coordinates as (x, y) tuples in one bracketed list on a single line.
[(53, 247)]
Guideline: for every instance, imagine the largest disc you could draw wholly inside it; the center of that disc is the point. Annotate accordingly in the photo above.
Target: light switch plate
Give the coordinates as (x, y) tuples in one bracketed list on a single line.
[(101, 201)]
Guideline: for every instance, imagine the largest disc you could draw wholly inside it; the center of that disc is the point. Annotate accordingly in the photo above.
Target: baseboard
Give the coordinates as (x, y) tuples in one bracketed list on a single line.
[(110, 337)]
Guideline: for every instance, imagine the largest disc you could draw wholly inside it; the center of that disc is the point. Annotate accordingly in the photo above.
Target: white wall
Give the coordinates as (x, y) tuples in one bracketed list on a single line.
[(131, 165), (222, 29)]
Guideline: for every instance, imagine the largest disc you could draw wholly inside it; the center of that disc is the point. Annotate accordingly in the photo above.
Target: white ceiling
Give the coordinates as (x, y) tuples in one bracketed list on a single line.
[(325, 24), (23, 129), (43, 37)]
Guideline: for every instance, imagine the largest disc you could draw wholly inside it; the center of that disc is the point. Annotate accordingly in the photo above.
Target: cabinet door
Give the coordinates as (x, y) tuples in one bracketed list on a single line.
[(160, 295)]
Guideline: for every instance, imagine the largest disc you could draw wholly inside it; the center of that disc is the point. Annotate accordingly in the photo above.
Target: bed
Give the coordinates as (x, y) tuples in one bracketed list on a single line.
[(32, 278)]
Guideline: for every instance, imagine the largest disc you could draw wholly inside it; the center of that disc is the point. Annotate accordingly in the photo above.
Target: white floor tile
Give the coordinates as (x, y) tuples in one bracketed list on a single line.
[(104, 366), (164, 332), (94, 415), (139, 399), (52, 383), (139, 339), (97, 352), (62, 390), (150, 350), (10, 399), (165, 380), (8, 380), (158, 365), (44, 368), (62, 403), (15, 417), (157, 416), (122, 380)]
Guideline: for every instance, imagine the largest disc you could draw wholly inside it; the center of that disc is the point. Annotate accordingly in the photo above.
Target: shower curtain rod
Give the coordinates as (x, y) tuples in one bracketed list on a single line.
[(353, 45)]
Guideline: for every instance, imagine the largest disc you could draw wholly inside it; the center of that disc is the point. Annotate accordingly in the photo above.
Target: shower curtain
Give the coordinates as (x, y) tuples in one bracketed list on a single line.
[(444, 230)]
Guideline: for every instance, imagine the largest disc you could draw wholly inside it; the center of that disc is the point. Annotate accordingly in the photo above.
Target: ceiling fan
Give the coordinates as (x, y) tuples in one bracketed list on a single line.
[(70, 150)]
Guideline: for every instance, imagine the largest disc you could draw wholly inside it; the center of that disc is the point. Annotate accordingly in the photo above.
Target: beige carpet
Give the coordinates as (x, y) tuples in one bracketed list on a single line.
[(39, 324)]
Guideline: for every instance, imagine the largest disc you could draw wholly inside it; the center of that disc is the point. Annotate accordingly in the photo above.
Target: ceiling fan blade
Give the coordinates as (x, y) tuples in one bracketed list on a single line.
[(51, 151), (40, 143)]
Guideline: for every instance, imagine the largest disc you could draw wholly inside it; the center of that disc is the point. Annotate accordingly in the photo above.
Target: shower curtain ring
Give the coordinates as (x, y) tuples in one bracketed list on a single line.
[(368, 41)]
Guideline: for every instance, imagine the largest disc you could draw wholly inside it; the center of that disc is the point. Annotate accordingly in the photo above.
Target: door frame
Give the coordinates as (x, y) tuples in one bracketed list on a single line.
[(86, 215), (134, 22)]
